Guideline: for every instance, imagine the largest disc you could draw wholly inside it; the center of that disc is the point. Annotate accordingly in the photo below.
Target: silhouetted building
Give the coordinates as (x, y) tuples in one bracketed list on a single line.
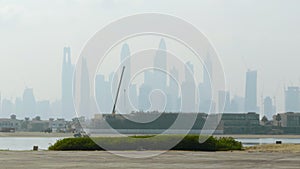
[(84, 104), (144, 102), (160, 62), (237, 104), (103, 94), (269, 108), (224, 102), (123, 103), (56, 109), (7, 108), (43, 108), (205, 91), (19, 108), (173, 100), (188, 89), (251, 92), (292, 99), (133, 96), (68, 110), (29, 103)]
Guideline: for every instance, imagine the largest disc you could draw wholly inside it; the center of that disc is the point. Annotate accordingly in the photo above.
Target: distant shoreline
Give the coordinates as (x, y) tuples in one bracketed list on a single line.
[(35, 134), (42, 134), (240, 136)]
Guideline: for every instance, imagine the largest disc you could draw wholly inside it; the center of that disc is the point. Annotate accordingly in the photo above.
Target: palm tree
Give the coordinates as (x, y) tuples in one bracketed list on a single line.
[(264, 120), (278, 119)]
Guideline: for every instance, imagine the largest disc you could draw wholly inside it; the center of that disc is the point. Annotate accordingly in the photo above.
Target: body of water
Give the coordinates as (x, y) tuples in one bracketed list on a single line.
[(27, 143), (257, 141)]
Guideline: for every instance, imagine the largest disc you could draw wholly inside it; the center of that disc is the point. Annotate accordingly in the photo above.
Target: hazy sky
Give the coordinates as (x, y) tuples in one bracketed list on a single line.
[(255, 34)]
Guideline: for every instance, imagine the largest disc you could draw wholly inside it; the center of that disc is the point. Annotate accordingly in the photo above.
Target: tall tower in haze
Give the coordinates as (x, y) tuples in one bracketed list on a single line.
[(85, 104), (124, 104), (173, 101), (205, 89), (188, 88), (292, 99), (68, 110), (251, 92), (160, 62), (269, 108), (29, 103)]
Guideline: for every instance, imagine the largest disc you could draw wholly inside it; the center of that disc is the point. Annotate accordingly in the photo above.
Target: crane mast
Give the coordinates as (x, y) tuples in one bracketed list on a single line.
[(117, 95)]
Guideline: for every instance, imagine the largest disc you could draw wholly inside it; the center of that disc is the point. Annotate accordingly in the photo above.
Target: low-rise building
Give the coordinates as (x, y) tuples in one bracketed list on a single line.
[(10, 124), (58, 125), (243, 123), (289, 119)]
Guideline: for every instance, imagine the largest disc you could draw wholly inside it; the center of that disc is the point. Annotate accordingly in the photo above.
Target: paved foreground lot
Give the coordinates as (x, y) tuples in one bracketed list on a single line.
[(172, 160)]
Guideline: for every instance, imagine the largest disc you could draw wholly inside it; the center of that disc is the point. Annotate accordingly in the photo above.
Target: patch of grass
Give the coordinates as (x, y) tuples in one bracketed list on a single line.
[(283, 148), (160, 142)]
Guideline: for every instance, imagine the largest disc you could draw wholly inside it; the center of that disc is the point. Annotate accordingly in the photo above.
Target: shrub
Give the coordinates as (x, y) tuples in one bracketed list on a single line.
[(160, 142)]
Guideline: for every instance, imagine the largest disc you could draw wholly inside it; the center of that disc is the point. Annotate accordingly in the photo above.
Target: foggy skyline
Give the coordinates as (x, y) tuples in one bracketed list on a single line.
[(246, 34)]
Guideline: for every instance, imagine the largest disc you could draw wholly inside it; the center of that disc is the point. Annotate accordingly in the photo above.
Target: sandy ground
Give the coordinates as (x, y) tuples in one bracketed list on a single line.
[(283, 148), (171, 159)]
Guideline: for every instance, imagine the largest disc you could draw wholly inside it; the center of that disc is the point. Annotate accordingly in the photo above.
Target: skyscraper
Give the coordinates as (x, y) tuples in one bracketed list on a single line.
[(103, 94), (205, 90), (224, 102), (43, 108), (123, 103), (292, 99), (7, 108), (133, 96), (251, 92), (85, 104), (29, 102), (237, 104), (173, 104), (144, 103), (188, 89), (19, 107), (68, 110), (269, 108), (160, 62), (144, 91)]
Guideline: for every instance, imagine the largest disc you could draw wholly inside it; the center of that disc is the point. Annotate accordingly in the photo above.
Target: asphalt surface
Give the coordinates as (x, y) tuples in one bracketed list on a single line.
[(171, 159)]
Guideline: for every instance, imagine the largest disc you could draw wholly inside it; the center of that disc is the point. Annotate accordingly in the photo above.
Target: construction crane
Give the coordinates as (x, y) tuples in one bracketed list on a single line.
[(116, 99)]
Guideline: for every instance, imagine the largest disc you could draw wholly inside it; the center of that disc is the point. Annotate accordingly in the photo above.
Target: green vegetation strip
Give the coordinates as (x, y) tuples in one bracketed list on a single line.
[(160, 142)]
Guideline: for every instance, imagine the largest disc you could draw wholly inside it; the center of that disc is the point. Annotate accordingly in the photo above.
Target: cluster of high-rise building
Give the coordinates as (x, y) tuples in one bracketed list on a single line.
[(248, 103), (159, 91), (29, 106), (184, 97)]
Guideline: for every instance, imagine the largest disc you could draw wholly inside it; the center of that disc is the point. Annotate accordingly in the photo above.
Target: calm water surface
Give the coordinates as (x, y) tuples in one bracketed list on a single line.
[(27, 143), (257, 141)]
